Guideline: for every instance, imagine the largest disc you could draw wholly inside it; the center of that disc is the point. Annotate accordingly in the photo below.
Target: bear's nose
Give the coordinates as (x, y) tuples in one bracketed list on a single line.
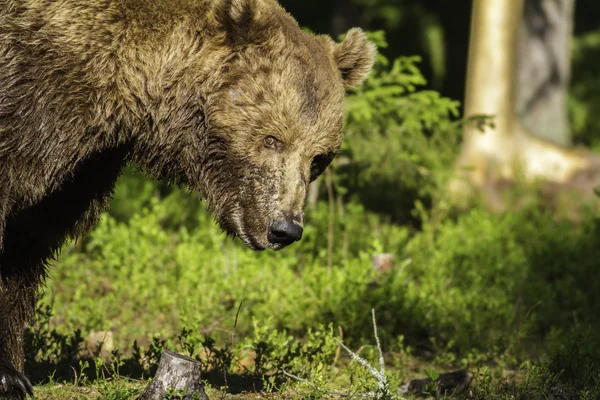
[(284, 232)]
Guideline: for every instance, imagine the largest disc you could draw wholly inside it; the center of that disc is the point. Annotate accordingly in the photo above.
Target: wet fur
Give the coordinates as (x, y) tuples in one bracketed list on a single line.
[(187, 90)]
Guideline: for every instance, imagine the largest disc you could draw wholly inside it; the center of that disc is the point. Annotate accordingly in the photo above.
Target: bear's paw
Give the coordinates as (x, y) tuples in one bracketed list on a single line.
[(13, 384)]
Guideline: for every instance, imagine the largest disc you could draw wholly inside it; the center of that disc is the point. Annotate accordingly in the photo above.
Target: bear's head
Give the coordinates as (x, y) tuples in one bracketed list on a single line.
[(275, 116), (272, 111)]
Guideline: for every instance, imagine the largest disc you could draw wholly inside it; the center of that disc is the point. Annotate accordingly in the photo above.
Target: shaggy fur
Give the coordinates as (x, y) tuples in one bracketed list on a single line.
[(227, 97)]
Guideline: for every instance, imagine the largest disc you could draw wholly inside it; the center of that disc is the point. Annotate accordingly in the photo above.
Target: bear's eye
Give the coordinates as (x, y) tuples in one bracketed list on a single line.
[(319, 163), (272, 142)]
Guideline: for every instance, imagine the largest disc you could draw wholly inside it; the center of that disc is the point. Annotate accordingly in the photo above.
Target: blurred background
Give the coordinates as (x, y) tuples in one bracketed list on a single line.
[(438, 31), (501, 278)]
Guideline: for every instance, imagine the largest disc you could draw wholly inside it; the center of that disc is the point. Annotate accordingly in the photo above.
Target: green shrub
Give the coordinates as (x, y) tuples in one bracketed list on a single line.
[(400, 139)]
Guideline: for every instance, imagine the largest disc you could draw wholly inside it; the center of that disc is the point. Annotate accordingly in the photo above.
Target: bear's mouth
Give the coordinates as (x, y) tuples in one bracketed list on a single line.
[(253, 244), (249, 240), (255, 239)]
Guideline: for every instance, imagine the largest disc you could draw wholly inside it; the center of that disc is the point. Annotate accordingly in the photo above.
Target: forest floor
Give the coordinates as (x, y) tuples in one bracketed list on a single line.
[(513, 299)]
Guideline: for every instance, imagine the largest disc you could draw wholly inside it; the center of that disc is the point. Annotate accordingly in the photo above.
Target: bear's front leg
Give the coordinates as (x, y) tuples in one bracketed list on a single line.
[(17, 303)]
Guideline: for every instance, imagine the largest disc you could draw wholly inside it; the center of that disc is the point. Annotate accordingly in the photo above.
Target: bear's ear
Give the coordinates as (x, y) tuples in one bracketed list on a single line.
[(355, 57), (239, 19)]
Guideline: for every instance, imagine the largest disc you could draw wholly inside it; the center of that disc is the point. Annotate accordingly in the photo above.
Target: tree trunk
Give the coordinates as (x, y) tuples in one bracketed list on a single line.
[(178, 376), (500, 154), (544, 68)]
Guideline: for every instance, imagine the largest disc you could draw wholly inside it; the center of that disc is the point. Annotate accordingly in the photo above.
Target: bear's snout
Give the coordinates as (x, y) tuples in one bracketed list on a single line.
[(284, 232)]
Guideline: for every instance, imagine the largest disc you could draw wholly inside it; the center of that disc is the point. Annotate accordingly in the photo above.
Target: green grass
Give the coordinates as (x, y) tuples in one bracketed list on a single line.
[(512, 297)]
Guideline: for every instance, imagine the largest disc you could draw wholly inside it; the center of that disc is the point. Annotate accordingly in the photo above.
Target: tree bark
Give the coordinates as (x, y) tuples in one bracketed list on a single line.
[(544, 68), (176, 373)]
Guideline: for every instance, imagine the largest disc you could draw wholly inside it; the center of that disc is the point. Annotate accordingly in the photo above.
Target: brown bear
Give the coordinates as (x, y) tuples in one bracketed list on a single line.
[(227, 97)]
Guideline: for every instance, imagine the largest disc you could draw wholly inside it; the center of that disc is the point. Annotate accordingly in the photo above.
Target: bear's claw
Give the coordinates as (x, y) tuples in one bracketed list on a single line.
[(14, 384)]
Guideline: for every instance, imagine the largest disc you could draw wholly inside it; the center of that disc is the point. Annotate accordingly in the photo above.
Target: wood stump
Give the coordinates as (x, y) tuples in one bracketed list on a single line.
[(178, 376)]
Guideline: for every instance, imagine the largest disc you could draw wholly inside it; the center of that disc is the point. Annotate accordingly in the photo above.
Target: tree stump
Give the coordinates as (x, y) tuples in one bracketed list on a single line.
[(178, 376)]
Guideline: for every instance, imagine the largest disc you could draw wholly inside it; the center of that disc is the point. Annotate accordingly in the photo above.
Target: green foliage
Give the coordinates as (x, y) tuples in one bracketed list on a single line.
[(584, 93), (478, 288), (399, 138), (48, 346), (541, 382), (197, 276), (117, 391), (501, 274), (577, 361)]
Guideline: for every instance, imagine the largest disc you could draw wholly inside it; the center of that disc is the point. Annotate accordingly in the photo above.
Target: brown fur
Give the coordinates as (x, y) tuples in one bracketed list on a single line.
[(228, 97)]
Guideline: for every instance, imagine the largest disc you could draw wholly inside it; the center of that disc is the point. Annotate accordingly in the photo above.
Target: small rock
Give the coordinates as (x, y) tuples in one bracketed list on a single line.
[(383, 263), (449, 384), (100, 343)]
